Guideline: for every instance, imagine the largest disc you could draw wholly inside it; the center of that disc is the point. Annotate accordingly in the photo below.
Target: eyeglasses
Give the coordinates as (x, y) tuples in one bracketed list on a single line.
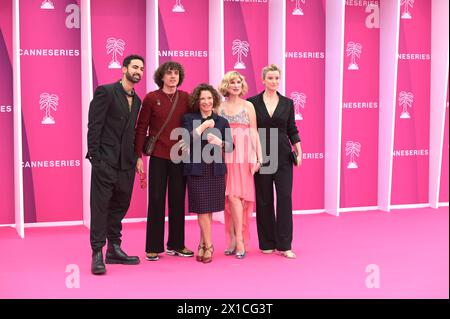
[(143, 180)]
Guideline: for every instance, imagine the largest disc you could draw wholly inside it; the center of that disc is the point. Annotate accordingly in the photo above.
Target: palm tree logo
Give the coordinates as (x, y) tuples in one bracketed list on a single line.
[(299, 102), (405, 100), (178, 7), (354, 51), (114, 46), (406, 4), (48, 102), (240, 48), (352, 149), (47, 5), (298, 11)]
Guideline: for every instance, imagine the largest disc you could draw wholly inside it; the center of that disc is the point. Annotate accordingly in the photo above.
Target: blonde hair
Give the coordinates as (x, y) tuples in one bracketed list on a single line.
[(227, 78), (268, 69)]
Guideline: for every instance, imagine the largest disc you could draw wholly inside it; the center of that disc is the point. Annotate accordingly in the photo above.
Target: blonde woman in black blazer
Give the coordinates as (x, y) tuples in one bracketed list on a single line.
[(274, 110)]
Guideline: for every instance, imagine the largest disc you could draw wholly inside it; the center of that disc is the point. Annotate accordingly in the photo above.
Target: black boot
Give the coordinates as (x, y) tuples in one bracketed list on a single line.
[(115, 255), (97, 266)]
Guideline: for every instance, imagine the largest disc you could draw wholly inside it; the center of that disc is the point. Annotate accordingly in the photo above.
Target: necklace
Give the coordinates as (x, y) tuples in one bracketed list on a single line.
[(129, 94), (170, 97)]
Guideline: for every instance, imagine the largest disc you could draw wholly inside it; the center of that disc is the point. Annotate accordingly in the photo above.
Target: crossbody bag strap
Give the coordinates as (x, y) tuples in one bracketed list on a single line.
[(174, 104)]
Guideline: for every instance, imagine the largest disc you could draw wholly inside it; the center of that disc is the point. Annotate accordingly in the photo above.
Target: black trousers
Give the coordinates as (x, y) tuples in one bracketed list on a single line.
[(274, 232), (111, 191), (164, 174)]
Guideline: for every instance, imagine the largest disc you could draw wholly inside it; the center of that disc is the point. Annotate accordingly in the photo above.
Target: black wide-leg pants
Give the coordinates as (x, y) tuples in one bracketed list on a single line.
[(164, 174)]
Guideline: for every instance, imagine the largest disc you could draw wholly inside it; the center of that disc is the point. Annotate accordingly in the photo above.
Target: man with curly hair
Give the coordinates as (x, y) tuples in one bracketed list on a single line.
[(163, 173)]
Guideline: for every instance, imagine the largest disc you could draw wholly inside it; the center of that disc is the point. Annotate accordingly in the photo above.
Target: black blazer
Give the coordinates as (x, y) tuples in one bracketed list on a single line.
[(283, 119), (223, 126), (111, 127)]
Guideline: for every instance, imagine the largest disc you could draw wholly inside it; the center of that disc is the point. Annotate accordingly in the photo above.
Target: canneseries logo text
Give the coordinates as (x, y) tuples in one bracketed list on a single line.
[(405, 101), (48, 103), (72, 21), (5, 108), (299, 99), (352, 150)]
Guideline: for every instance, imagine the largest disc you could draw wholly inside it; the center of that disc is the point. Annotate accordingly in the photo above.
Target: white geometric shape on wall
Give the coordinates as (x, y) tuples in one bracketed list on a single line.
[(47, 5), (405, 100), (352, 149), (298, 10), (115, 47), (178, 7), (353, 50), (240, 48), (299, 99), (406, 4), (48, 102)]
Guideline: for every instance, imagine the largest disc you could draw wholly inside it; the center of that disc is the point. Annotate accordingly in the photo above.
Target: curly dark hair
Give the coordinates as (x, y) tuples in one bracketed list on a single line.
[(163, 68), (194, 98)]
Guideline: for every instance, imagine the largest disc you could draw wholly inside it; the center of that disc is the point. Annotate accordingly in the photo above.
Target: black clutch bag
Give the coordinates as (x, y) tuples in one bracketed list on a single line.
[(293, 156)]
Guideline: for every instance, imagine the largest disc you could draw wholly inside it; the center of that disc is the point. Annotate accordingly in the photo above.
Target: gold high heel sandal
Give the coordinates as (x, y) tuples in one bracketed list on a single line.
[(209, 249), (200, 253)]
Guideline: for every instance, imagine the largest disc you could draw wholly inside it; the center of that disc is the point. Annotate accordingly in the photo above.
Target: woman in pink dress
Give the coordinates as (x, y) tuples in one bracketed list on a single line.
[(242, 163)]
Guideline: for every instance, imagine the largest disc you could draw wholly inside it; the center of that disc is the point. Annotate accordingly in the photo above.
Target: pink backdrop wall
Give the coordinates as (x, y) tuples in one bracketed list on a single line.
[(305, 84), (183, 37), (6, 116), (443, 192), (51, 81), (124, 29), (245, 24), (412, 118), (359, 159)]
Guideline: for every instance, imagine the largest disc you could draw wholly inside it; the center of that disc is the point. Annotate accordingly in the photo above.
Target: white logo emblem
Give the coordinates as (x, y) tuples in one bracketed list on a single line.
[(352, 149), (299, 102), (47, 4), (354, 51), (240, 48), (115, 46), (178, 7), (405, 100), (48, 102), (406, 3), (298, 11)]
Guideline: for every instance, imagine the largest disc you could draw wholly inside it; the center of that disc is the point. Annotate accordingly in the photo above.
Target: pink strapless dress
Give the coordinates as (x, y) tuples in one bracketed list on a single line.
[(239, 178)]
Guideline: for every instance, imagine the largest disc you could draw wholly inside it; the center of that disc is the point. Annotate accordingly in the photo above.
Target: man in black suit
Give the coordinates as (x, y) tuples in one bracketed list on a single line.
[(112, 117)]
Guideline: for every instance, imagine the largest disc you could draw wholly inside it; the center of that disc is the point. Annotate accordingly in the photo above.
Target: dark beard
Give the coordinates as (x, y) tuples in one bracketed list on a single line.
[(131, 78)]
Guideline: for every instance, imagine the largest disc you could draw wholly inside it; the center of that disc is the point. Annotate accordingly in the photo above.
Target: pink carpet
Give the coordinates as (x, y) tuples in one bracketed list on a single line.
[(410, 248)]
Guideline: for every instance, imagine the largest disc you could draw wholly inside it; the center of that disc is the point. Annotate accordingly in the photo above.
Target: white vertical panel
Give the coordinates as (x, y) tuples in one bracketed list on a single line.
[(216, 56), (277, 38), (86, 97), (438, 96), (152, 43), (334, 58), (389, 39), (151, 51), (18, 172), (216, 43)]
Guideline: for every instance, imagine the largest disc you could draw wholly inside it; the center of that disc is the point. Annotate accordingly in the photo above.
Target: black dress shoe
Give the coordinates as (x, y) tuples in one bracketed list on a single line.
[(115, 255), (97, 265)]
